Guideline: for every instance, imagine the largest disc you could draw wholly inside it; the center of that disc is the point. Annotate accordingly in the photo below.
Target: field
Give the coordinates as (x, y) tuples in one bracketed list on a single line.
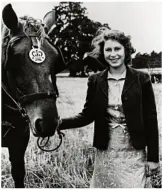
[(71, 166)]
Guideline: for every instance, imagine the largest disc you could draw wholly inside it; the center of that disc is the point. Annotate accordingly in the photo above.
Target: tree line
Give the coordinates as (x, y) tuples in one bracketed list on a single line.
[(152, 60), (73, 34)]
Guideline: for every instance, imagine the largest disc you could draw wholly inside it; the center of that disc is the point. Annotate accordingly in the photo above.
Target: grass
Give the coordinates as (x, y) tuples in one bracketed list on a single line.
[(71, 166)]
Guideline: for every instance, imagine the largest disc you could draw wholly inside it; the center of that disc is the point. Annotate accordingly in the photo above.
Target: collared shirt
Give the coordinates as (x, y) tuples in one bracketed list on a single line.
[(115, 87), (115, 109)]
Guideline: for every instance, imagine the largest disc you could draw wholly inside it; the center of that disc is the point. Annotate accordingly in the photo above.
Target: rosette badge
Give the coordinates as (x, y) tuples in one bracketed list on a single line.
[(37, 55)]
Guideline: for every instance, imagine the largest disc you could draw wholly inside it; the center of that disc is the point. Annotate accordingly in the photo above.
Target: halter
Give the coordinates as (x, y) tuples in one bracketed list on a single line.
[(31, 97)]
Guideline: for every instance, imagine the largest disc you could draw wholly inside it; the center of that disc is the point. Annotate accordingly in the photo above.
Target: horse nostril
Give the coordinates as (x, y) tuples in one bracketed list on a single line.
[(38, 125)]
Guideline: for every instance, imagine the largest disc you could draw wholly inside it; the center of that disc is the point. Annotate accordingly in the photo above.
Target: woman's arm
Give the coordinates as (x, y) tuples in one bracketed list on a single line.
[(87, 114), (150, 120)]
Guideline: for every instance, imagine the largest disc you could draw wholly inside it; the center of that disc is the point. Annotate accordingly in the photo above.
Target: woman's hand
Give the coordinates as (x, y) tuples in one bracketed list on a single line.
[(59, 122), (151, 168)]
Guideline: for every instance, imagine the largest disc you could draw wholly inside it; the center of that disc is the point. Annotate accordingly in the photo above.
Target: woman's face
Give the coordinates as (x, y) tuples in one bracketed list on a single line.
[(114, 53)]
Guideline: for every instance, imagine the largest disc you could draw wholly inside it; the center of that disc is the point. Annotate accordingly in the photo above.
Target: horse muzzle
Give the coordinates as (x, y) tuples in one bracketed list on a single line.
[(45, 129)]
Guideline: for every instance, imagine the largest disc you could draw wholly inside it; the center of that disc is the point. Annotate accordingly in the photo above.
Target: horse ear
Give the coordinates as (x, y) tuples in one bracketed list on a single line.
[(9, 17), (49, 21)]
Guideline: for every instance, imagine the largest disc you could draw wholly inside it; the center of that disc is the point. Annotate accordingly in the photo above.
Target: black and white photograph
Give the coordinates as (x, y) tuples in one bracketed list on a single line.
[(81, 94)]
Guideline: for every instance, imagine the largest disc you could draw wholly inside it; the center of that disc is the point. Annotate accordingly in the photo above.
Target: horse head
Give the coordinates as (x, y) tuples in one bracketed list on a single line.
[(29, 65)]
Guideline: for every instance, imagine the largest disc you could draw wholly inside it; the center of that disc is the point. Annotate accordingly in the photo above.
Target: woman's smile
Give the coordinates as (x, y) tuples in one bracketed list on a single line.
[(114, 53), (114, 60)]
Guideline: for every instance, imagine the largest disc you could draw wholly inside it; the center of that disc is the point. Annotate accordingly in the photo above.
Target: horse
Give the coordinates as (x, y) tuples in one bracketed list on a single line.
[(30, 63)]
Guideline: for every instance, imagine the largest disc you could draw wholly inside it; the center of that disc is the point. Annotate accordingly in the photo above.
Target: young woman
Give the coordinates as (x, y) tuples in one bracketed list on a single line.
[(121, 102)]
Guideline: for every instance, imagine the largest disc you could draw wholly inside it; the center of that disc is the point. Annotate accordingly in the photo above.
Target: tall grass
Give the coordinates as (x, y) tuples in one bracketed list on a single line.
[(71, 166)]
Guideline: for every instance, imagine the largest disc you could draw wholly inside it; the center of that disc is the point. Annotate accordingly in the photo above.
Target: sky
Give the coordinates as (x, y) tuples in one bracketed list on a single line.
[(142, 20)]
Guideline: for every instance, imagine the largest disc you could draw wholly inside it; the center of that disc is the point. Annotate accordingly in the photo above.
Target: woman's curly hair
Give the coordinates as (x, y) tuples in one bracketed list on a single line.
[(103, 34)]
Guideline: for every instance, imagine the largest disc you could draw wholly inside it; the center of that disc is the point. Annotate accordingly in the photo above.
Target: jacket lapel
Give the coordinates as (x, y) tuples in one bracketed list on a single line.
[(130, 79), (103, 82)]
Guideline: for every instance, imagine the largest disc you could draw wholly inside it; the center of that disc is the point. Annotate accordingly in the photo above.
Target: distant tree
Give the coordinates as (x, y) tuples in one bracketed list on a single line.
[(140, 60), (66, 32), (150, 61), (73, 33), (145, 60), (155, 60)]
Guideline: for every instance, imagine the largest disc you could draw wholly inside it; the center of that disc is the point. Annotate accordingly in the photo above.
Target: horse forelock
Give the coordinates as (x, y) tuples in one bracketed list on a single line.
[(31, 25)]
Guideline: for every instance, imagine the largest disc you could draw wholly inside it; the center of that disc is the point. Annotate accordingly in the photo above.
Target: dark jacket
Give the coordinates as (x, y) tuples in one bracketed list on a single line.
[(139, 108)]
